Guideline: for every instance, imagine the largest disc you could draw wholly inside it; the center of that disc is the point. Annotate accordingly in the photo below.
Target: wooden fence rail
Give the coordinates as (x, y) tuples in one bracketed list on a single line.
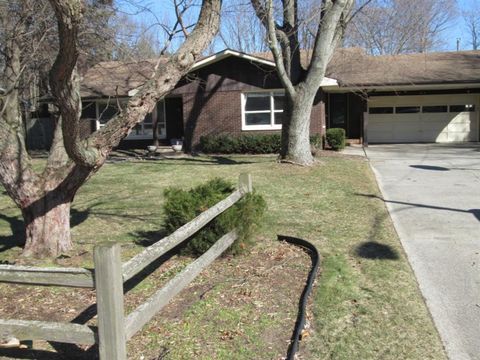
[(108, 277), (71, 277)]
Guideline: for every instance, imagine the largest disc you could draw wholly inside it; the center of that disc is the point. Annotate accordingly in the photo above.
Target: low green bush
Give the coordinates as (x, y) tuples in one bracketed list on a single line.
[(181, 206), (316, 141), (336, 138), (247, 144)]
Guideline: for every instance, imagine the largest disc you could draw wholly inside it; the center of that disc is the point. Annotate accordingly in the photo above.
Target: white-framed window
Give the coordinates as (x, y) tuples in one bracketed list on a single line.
[(107, 109), (262, 110)]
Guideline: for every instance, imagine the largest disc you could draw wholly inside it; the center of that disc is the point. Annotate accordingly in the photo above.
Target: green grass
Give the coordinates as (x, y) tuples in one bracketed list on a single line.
[(362, 308)]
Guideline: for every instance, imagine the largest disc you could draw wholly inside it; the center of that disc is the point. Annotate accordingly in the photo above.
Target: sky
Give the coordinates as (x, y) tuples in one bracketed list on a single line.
[(457, 30), (163, 9)]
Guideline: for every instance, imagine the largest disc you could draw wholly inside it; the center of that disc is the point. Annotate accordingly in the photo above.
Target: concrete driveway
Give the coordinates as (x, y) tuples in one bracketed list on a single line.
[(433, 195)]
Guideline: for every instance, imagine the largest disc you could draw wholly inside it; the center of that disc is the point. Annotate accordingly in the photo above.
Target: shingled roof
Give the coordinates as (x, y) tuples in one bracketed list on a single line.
[(350, 67), (353, 67), (116, 78)]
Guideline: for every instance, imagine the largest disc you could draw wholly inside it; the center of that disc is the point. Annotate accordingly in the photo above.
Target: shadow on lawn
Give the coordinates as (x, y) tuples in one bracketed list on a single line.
[(17, 227), (77, 217), (372, 249), (376, 251), (17, 239), (203, 160)]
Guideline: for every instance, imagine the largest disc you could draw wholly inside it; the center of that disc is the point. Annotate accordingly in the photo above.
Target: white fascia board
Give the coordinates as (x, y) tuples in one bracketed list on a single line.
[(329, 83), (226, 53), (133, 92)]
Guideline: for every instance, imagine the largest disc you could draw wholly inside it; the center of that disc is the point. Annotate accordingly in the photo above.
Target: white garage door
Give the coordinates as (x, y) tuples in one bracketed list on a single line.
[(429, 118)]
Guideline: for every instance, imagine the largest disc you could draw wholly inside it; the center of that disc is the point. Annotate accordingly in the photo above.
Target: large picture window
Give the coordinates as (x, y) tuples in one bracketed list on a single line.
[(262, 111)]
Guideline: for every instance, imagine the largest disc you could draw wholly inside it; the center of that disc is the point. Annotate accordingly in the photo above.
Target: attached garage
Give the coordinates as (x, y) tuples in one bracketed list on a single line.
[(425, 118)]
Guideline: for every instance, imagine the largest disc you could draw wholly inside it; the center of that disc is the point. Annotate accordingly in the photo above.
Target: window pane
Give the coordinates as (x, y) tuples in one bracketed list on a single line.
[(462, 108), (160, 111), (106, 112), (148, 119), (257, 102), (278, 118), (279, 101), (407, 109), (380, 110), (435, 109), (137, 130), (257, 119), (89, 110)]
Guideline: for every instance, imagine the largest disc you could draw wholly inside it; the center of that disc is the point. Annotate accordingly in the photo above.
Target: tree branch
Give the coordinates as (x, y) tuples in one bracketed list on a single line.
[(327, 39), (266, 16), (164, 80), (64, 81)]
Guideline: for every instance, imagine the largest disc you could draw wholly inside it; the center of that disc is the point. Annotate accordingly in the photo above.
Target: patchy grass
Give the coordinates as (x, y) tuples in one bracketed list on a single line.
[(366, 303)]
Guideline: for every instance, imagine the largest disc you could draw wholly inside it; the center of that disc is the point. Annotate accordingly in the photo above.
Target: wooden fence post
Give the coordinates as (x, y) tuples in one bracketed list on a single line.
[(111, 316), (245, 183)]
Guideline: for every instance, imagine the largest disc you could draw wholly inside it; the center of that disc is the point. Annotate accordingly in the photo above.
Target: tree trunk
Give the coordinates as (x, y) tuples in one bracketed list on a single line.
[(47, 225), (296, 130)]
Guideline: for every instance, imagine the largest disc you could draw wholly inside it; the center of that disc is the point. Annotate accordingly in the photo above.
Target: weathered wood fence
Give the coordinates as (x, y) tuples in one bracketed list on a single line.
[(114, 329)]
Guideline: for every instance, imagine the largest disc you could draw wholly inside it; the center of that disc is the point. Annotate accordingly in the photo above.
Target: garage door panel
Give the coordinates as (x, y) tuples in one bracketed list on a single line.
[(437, 137), (463, 118), (459, 127), (424, 126), (459, 136)]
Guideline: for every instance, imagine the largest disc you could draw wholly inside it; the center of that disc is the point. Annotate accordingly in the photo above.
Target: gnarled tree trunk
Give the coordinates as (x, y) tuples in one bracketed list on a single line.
[(45, 198), (47, 225)]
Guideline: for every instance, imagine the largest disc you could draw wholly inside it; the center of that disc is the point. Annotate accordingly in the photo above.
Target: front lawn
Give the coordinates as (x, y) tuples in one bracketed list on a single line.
[(366, 303)]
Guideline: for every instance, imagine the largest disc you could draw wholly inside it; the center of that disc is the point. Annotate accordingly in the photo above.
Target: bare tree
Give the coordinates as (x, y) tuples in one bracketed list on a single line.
[(301, 85), (45, 197), (472, 21), (241, 30), (400, 26)]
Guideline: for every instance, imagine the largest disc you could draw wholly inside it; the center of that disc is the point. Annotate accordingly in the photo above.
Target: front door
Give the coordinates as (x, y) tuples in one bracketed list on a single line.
[(338, 111), (174, 116)]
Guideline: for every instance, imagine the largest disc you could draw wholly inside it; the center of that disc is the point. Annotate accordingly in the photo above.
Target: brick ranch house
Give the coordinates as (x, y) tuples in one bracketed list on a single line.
[(431, 97)]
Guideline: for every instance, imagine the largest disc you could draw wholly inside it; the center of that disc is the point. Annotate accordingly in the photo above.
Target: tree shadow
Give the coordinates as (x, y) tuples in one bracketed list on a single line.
[(430, 167), (47, 355), (147, 238), (376, 251), (474, 212), (198, 160), (17, 239)]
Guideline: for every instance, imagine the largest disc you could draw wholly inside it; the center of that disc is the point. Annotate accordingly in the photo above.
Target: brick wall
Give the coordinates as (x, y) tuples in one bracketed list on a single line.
[(221, 113)]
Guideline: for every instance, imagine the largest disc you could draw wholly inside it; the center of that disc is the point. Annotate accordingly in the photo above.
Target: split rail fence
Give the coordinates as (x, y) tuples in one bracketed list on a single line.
[(114, 329)]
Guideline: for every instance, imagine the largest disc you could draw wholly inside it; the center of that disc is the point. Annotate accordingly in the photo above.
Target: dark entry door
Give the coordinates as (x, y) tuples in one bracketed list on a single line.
[(174, 116), (338, 111)]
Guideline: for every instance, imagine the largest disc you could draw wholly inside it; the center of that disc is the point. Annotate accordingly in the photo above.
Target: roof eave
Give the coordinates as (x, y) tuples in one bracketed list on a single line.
[(404, 87)]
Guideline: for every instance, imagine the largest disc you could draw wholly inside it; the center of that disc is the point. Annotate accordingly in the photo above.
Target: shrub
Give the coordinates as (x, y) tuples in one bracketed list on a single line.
[(336, 138), (222, 144), (182, 206), (316, 141), (247, 144)]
